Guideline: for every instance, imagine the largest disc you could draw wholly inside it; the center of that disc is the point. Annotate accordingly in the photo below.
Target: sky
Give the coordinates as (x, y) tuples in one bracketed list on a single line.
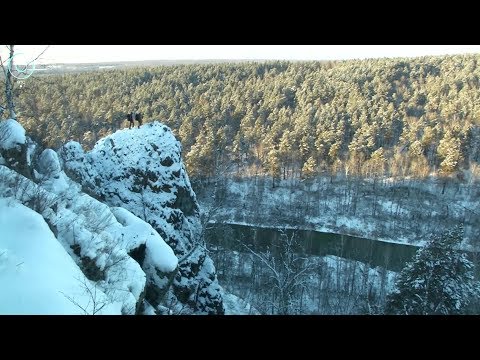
[(118, 53)]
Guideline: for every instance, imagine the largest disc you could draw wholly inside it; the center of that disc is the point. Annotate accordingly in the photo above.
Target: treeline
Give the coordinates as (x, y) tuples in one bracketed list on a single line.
[(395, 117)]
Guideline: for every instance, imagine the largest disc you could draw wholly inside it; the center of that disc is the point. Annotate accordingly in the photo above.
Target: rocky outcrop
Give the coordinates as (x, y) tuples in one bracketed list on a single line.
[(15, 148), (141, 170), (116, 251)]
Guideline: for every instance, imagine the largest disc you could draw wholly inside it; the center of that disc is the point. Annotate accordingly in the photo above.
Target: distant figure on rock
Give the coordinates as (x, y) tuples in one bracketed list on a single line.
[(134, 114), (130, 120), (139, 118)]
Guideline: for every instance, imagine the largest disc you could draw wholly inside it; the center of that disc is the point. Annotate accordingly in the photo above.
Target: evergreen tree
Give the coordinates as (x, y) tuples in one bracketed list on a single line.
[(449, 150), (309, 168), (438, 281), (422, 112)]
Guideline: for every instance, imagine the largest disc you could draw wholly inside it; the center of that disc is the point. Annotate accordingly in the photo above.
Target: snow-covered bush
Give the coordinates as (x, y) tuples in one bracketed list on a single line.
[(440, 279)]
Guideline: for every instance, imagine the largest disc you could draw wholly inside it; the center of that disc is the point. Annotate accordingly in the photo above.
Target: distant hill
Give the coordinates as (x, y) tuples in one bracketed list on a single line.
[(86, 67)]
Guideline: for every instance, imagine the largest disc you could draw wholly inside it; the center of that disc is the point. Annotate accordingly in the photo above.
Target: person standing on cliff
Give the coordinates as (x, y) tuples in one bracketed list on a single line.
[(130, 120), (139, 118), (134, 113)]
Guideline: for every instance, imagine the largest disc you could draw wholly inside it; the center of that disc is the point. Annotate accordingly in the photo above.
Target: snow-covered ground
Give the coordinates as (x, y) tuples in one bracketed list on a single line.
[(37, 276)]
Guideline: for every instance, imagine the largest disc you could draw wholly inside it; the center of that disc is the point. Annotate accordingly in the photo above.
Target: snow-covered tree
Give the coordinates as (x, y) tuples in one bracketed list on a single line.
[(450, 150), (289, 270), (309, 168), (439, 280)]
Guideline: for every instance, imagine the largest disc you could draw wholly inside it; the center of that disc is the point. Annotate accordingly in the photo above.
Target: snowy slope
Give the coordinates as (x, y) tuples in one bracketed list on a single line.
[(406, 211), (89, 231), (141, 170), (37, 276)]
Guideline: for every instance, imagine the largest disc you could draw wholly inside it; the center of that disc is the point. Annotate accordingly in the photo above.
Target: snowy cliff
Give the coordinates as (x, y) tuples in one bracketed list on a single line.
[(95, 244), (141, 170), (45, 221)]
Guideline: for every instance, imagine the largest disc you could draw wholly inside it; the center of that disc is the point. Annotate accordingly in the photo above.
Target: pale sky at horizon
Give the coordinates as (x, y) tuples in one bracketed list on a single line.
[(117, 53)]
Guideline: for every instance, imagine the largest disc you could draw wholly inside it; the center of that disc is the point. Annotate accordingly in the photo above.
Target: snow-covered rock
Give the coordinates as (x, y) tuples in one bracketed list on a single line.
[(14, 147), (128, 195), (141, 170), (12, 134), (104, 248), (48, 163)]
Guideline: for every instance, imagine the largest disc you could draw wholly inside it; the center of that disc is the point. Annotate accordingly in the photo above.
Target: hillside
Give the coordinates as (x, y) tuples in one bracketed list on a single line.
[(394, 117)]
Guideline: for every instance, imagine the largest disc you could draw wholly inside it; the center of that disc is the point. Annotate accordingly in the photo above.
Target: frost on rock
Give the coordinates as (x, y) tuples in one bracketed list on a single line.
[(141, 170)]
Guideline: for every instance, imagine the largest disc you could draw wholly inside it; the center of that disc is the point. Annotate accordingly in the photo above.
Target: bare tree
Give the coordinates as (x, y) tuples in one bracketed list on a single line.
[(11, 73), (5, 131), (9, 82), (289, 270), (96, 302)]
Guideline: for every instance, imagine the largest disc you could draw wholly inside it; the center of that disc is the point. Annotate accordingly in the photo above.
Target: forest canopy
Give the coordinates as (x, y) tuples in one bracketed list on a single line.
[(378, 117)]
